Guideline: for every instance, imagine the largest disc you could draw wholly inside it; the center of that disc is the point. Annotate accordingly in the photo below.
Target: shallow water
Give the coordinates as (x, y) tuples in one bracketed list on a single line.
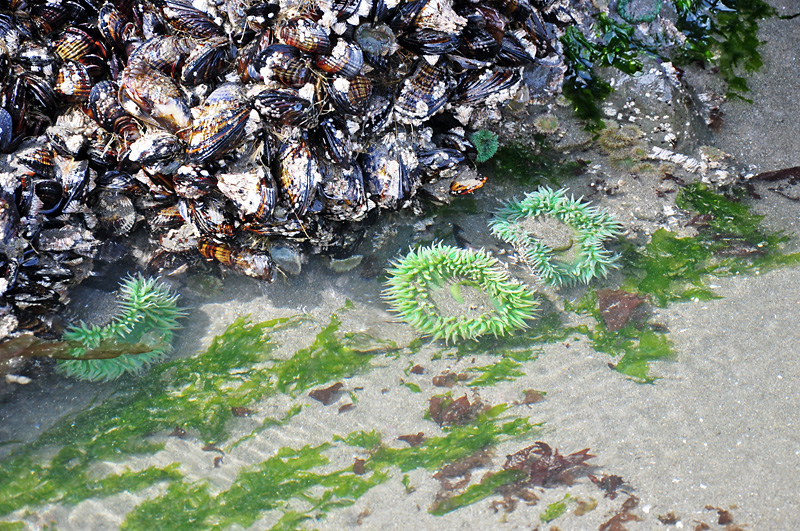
[(716, 431)]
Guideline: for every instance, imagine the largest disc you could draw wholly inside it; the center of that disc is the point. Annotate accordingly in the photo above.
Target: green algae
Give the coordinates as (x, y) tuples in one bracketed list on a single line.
[(266, 424), (523, 346), (555, 509), (267, 486), (414, 388), (297, 483), (612, 45), (486, 430), (487, 487), (725, 35), (635, 348), (406, 481), (670, 268), (368, 440), (532, 169), (194, 394), (505, 370), (635, 345), (730, 240), (722, 34)]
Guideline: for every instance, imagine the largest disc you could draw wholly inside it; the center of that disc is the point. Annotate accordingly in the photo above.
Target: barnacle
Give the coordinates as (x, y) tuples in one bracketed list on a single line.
[(451, 293), (148, 314), (560, 238)]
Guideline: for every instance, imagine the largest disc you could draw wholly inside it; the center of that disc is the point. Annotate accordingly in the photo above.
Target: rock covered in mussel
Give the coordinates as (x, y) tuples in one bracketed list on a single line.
[(239, 127)]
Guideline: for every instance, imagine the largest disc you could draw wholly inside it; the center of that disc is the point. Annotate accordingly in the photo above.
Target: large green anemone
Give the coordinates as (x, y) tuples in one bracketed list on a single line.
[(147, 316), (560, 238), (452, 293)]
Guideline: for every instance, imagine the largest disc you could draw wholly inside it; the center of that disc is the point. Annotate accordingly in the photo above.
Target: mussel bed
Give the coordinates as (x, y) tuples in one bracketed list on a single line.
[(215, 130)]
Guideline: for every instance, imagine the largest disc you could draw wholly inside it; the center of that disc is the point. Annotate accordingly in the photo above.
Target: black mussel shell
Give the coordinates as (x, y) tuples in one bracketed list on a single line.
[(211, 215), (193, 181), (155, 97), (345, 59), (165, 53), (116, 214), (257, 264), (455, 141), (377, 114), (286, 106), (262, 15), (6, 128), (112, 26), (343, 193), (213, 136), (305, 35), (477, 86), (406, 15), (283, 63), (74, 176), (40, 91), (434, 161), (50, 193), (349, 96), (158, 152), (344, 9), (252, 192), (388, 179), (37, 158), (185, 18), (479, 44), (107, 111), (297, 173), (208, 60), (430, 42), (424, 93), (333, 136), (513, 52), (73, 83)]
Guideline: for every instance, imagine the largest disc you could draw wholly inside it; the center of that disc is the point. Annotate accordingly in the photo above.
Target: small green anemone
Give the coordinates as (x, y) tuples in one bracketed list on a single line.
[(485, 143), (147, 316), (451, 293), (560, 238)]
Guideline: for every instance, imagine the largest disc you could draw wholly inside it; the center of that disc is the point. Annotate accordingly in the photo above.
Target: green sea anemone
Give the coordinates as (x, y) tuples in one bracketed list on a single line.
[(485, 142), (558, 237), (452, 293), (147, 316), (546, 124)]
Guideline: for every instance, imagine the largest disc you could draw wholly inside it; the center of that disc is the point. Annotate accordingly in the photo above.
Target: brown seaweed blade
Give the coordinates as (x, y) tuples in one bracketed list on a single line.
[(30, 346), (545, 466)]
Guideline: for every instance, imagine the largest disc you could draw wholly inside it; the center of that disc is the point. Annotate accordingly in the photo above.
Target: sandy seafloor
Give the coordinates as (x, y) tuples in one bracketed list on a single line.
[(719, 428)]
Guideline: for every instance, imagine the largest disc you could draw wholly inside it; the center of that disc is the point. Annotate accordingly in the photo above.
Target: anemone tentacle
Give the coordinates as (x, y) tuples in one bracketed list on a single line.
[(147, 313), (451, 293), (583, 256)]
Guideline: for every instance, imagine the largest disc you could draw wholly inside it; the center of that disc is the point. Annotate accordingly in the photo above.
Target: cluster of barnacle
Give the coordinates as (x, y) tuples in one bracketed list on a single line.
[(224, 126)]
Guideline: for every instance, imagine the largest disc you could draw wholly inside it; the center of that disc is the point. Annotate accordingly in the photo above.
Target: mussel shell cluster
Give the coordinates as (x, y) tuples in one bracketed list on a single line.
[(224, 131)]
